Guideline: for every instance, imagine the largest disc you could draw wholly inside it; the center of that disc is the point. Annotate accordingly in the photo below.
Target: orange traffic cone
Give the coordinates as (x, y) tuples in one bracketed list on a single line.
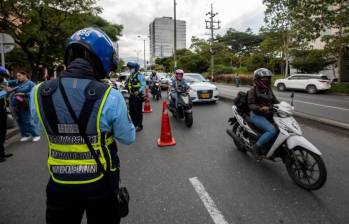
[(166, 138), (147, 107)]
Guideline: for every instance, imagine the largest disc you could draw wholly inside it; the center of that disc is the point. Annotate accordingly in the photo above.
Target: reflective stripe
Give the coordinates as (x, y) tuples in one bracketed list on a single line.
[(71, 139), (68, 128), (74, 169), (72, 155)]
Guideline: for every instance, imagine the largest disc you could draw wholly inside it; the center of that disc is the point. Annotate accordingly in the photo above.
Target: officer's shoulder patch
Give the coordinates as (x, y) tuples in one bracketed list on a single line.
[(48, 87)]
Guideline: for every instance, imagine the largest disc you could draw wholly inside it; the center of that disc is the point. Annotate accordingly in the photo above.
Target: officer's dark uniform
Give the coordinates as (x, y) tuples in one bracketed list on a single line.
[(136, 102), (3, 114), (3, 127)]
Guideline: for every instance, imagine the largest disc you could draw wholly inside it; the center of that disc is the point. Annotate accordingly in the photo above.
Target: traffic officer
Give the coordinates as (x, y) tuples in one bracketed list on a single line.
[(82, 118), (3, 114), (136, 85)]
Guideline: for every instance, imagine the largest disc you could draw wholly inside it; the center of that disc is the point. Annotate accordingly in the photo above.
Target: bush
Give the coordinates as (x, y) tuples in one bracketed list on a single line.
[(222, 69), (230, 78)]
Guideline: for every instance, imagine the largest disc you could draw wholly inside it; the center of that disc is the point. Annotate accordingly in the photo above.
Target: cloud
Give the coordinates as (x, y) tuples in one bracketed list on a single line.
[(136, 15)]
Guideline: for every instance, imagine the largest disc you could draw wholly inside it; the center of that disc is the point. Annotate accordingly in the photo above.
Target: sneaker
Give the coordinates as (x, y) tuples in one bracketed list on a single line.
[(36, 139), (25, 139), (138, 129)]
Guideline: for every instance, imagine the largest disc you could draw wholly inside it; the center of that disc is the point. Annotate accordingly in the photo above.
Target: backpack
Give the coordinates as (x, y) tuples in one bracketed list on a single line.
[(241, 103)]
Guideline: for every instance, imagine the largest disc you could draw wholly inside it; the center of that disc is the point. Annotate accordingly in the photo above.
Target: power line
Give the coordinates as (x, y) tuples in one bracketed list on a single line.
[(212, 25)]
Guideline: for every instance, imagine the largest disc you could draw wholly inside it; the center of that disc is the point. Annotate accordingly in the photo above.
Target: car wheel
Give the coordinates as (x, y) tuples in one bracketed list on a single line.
[(311, 89), (281, 87)]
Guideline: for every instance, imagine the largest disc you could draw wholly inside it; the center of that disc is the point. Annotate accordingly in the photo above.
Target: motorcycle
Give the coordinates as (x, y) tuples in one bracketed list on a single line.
[(156, 90), (183, 109), (302, 159)]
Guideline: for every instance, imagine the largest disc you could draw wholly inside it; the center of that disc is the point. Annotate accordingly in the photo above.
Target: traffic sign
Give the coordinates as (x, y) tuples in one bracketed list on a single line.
[(7, 42)]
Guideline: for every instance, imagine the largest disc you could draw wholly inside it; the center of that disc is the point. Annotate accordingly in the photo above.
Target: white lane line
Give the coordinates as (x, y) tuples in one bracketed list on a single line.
[(316, 104), (211, 207), (305, 102)]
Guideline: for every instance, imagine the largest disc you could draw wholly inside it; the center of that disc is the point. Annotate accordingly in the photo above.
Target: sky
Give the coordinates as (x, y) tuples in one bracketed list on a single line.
[(136, 15)]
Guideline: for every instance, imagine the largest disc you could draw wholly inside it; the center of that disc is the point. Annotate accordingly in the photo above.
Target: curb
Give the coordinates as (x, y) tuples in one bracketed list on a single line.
[(309, 117)]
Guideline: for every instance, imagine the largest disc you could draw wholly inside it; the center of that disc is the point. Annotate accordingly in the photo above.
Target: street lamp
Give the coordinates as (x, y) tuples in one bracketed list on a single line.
[(145, 63)]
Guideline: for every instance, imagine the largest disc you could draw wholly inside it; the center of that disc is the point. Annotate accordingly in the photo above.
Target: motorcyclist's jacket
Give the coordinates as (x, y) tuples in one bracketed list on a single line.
[(154, 79), (256, 99), (136, 82), (70, 161), (179, 85)]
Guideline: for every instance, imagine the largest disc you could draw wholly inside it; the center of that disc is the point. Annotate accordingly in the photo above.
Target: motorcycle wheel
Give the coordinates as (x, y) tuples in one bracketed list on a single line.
[(188, 119), (306, 169)]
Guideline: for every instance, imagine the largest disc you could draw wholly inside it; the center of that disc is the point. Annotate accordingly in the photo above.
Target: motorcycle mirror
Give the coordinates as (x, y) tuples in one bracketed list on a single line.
[(292, 96)]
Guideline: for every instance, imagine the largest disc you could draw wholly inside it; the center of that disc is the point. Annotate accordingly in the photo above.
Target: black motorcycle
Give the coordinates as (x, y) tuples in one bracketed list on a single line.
[(156, 90), (183, 109)]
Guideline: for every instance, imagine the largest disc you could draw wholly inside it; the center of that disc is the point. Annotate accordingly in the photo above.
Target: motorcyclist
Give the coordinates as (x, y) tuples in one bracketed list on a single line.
[(178, 85), (260, 101), (153, 79)]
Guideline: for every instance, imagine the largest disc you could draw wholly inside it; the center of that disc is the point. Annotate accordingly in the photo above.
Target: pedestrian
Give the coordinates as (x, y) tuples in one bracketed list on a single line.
[(3, 113), (237, 80), (82, 118), (19, 99), (136, 85)]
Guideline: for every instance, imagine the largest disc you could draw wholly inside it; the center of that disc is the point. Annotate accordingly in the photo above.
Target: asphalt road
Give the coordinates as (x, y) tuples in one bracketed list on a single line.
[(331, 107), (237, 189)]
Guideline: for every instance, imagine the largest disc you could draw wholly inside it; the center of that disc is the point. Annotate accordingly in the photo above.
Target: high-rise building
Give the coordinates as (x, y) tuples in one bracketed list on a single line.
[(161, 32)]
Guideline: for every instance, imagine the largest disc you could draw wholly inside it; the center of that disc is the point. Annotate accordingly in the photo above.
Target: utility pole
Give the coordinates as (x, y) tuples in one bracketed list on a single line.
[(145, 63), (212, 25), (175, 37)]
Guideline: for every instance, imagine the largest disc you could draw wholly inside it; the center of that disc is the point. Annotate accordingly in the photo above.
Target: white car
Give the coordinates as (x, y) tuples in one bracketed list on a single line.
[(201, 90), (310, 83), (165, 80)]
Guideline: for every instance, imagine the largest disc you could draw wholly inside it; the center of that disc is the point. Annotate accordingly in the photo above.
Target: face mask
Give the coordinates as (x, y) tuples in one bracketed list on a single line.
[(133, 70)]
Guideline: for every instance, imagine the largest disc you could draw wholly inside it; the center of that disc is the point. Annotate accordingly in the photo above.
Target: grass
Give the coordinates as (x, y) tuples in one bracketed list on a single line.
[(339, 88)]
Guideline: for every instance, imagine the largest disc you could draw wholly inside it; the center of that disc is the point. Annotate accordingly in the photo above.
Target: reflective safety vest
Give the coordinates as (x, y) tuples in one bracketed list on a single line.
[(70, 160), (133, 83)]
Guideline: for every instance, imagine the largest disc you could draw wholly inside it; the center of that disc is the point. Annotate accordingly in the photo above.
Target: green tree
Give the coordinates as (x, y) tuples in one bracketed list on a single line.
[(329, 21), (279, 18), (310, 61), (41, 28)]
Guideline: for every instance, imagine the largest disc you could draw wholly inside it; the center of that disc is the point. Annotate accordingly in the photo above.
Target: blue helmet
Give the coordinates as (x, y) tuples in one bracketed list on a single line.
[(95, 46), (3, 72), (133, 65)]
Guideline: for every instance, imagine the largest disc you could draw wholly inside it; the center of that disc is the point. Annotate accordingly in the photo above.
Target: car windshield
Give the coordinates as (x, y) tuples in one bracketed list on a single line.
[(193, 77)]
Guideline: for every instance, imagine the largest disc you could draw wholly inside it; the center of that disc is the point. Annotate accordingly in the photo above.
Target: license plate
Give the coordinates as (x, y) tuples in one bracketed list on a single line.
[(205, 95)]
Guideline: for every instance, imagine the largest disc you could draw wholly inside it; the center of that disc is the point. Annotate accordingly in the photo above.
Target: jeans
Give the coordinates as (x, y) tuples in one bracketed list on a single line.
[(261, 122), (26, 124)]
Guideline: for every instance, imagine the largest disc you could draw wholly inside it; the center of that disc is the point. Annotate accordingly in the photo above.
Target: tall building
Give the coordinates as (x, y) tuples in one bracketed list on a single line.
[(161, 32)]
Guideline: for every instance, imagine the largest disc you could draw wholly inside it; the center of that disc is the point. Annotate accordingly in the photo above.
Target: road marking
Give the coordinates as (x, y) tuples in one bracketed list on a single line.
[(305, 102), (316, 104), (211, 207)]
